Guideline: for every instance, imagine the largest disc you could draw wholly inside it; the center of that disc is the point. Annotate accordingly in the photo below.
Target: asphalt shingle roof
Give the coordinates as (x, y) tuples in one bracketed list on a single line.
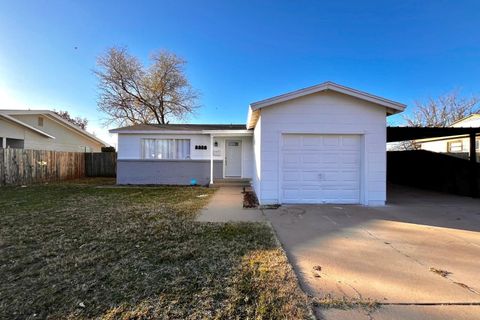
[(182, 127)]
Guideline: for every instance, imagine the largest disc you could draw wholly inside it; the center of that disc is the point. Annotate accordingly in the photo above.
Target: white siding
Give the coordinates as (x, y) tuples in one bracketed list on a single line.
[(130, 147), (471, 122), (324, 113), (435, 146)]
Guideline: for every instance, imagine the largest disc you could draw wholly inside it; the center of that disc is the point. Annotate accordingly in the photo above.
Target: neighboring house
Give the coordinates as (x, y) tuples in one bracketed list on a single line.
[(322, 144), (44, 130), (459, 145)]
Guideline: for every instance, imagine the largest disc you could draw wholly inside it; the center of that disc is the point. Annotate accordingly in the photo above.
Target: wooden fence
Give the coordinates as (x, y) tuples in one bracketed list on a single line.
[(22, 166), (101, 164)]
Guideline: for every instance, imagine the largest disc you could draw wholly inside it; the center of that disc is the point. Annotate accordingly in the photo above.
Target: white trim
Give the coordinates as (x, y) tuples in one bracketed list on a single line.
[(328, 86), (392, 106), (157, 131), (229, 133), (211, 159), (445, 138), (217, 133)]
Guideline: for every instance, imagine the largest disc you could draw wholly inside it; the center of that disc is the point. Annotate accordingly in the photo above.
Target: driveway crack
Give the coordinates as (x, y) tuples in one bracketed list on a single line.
[(467, 287)]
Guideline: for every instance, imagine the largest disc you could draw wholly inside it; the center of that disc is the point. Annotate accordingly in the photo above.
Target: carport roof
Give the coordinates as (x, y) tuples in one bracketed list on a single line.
[(395, 134)]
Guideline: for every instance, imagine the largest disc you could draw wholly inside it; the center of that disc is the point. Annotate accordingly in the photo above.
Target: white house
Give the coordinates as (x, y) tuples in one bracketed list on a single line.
[(44, 130), (321, 144), (456, 144)]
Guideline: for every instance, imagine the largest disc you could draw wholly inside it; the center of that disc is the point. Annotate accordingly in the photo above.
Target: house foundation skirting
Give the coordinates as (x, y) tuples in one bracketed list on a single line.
[(170, 172)]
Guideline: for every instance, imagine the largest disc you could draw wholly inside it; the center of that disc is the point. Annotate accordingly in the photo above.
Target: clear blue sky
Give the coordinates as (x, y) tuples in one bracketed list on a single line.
[(241, 51)]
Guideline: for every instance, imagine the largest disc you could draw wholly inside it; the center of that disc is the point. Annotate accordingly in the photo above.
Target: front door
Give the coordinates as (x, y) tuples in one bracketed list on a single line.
[(233, 158)]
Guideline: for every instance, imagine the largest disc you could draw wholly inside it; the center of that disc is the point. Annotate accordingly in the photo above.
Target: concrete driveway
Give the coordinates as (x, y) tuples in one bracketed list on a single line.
[(387, 254)]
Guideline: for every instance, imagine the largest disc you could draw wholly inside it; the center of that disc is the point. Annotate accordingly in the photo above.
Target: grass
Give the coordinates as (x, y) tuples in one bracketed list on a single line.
[(79, 251), (344, 303)]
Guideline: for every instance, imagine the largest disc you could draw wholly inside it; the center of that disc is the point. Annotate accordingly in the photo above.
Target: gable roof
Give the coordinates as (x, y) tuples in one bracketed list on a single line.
[(391, 106), (22, 124), (53, 116), (177, 127), (470, 117)]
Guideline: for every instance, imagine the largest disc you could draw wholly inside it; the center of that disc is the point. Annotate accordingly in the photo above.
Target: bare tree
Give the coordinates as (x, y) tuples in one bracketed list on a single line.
[(443, 111), (439, 112), (131, 93), (80, 122)]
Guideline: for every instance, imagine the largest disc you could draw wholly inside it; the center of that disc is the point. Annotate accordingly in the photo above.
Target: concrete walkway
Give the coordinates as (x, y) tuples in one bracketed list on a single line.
[(226, 205)]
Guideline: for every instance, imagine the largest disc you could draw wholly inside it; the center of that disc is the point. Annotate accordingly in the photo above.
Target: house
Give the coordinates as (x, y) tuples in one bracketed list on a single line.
[(457, 145), (44, 130), (321, 144)]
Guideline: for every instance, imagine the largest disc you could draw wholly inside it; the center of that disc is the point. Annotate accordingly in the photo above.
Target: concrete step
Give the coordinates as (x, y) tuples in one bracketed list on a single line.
[(231, 183)]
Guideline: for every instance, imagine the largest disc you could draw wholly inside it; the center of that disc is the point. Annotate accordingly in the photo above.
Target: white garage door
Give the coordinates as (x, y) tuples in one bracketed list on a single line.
[(320, 168)]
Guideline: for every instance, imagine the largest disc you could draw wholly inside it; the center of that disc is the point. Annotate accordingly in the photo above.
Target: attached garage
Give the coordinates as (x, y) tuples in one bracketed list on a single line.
[(320, 168), (322, 144)]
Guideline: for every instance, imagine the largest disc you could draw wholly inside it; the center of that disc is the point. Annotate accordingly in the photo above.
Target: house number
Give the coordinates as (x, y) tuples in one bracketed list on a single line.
[(197, 147)]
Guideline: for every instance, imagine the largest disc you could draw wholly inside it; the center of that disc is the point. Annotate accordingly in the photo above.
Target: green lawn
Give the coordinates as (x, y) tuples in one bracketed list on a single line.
[(82, 250)]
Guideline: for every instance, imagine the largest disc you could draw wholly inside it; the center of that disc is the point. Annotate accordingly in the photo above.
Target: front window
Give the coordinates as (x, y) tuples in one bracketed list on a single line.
[(166, 148)]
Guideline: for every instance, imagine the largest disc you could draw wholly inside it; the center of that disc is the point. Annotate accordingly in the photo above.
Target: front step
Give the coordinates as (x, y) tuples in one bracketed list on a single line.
[(231, 183)]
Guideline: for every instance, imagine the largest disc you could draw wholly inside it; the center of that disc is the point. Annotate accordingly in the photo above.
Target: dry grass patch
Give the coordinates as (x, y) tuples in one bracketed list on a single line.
[(73, 250), (330, 302)]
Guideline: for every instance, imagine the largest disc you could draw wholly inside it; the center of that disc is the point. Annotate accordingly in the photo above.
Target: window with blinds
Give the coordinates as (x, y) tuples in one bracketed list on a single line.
[(166, 148)]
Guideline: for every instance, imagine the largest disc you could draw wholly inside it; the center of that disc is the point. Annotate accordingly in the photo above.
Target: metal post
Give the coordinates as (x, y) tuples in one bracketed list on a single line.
[(473, 166), (211, 158)]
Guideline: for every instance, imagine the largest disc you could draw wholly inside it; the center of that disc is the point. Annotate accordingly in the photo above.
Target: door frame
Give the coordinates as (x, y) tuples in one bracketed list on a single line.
[(225, 158)]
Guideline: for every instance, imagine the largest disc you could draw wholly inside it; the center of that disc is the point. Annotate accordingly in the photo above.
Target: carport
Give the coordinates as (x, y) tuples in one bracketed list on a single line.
[(398, 134)]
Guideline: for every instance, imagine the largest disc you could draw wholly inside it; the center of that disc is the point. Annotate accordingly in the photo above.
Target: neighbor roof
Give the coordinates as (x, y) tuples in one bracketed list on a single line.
[(14, 120), (178, 127), (392, 106), (472, 116), (52, 115)]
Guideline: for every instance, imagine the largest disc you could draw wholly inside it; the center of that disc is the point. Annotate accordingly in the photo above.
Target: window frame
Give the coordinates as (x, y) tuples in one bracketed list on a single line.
[(449, 146), (174, 151)]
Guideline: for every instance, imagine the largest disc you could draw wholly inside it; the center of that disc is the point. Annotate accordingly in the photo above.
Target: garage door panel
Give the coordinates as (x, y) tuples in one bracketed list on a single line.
[(291, 194), (321, 169), (349, 158), (311, 176), (332, 140), (289, 176), (351, 142), (312, 141), (292, 141)]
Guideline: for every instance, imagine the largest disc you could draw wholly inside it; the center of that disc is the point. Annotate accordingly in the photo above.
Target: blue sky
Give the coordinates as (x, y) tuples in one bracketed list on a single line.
[(240, 51)]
